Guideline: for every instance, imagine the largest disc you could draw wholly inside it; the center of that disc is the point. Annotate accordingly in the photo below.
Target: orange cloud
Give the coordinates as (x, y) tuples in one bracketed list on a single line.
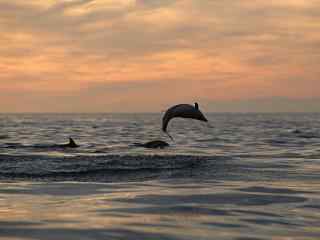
[(134, 53)]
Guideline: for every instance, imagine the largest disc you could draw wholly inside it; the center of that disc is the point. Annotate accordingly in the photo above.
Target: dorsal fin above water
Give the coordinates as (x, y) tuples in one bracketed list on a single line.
[(72, 143)]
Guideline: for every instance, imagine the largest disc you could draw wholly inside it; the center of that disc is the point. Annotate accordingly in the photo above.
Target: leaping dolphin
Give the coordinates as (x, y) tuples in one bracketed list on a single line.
[(182, 111)]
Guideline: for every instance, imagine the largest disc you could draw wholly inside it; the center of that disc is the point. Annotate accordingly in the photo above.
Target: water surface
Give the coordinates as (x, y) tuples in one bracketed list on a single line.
[(243, 176)]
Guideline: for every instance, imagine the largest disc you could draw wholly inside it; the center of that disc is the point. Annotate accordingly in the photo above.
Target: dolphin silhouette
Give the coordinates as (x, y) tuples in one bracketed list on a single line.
[(153, 144), (71, 144), (182, 111)]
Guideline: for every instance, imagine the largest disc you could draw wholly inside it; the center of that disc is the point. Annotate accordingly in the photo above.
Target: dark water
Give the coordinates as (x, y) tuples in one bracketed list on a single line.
[(243, 176), (265, 146)]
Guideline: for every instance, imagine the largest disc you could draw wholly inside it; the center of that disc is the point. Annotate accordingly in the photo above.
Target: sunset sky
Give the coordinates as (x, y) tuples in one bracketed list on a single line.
[(145, 55)]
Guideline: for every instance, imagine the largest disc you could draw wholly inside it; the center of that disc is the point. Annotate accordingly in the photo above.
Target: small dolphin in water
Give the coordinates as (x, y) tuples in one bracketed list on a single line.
[(182, 111), (296, 131), (71, 144), (153, 144)]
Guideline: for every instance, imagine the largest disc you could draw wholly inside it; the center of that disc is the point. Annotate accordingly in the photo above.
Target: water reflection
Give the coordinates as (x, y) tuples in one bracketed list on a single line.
[(159, 210)]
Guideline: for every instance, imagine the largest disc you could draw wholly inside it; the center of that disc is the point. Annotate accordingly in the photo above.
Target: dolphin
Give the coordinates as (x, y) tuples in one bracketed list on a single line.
[(153, 144), (71, 144), (182, 111)]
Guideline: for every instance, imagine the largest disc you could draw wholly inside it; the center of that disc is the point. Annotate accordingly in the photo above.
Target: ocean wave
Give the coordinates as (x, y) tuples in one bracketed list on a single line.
[(37, 166), (47, 147), (4, 137), (297, 133)]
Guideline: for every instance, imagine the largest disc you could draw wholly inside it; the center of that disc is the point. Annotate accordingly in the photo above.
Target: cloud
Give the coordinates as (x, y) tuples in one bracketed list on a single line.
[(137, 50), (275, 104)]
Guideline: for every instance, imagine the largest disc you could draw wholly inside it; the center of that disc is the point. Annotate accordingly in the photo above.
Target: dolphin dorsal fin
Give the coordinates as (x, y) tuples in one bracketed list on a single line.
[(72, 142), (196, 106)]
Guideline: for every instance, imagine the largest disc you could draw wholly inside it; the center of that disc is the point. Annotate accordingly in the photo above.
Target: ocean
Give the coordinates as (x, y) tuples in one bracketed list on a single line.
[(241, 176)]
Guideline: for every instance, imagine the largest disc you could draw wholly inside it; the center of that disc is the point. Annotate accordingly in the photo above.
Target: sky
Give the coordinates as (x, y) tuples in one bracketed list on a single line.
[(146, 55)]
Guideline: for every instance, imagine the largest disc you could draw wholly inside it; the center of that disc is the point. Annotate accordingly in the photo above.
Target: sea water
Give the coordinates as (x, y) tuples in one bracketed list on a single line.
[(241, 176)]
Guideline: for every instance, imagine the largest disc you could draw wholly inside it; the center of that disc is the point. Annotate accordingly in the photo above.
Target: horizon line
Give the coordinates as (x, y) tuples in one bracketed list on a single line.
[(160, 112)]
